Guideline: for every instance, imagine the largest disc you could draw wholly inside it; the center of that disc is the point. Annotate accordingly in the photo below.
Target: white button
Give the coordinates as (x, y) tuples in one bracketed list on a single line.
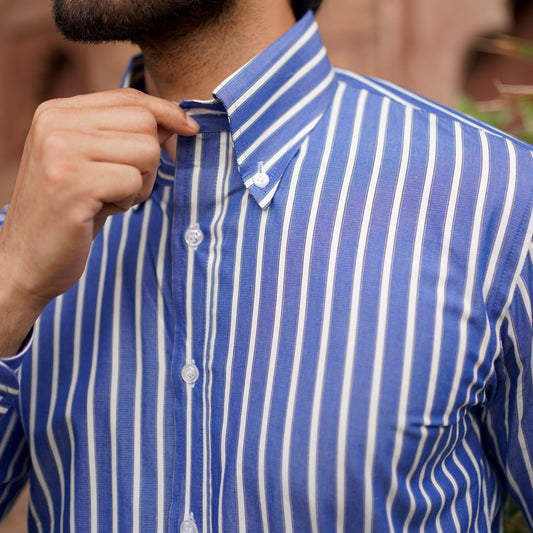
[(190, 373), (194, 236), (188, 526), (261, 179)]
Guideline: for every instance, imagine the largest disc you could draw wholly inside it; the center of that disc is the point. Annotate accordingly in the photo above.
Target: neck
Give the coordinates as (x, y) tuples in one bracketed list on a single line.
[(192, 65)]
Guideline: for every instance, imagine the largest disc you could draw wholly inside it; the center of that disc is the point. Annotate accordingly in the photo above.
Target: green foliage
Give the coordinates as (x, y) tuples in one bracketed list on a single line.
[(513, 115), (512, 111), (514, 519)]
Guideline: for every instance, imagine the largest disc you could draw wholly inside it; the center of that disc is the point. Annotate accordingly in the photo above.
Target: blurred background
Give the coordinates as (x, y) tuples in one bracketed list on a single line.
[(474, 55)]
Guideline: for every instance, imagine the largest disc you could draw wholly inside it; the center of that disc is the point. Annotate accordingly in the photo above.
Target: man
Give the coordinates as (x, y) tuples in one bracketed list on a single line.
[(311, 311)]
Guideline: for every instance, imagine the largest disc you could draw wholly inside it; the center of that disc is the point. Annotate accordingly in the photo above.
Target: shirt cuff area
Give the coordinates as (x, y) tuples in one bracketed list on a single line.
[(9, 383)]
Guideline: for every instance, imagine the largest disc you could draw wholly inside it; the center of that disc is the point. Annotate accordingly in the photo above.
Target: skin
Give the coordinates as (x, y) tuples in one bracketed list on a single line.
[(93, 156)]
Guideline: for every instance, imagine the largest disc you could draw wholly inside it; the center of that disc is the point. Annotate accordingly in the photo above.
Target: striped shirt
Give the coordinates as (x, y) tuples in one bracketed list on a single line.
[(321, 320)]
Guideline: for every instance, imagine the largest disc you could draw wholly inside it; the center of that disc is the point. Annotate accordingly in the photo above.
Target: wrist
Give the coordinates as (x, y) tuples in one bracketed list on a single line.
[(18, 312)]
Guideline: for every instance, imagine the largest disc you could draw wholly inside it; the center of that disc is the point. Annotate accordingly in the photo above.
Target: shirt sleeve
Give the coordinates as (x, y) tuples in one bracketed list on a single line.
[(510, 408), (9, 383), (14, 460), (9, 366), (14, 454)]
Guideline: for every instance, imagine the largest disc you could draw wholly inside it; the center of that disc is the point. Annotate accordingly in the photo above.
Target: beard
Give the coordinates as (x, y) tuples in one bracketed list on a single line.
[(146, 23)]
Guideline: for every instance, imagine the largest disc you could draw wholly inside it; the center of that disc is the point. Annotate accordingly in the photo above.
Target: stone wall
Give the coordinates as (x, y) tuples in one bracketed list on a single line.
[(420, 44)]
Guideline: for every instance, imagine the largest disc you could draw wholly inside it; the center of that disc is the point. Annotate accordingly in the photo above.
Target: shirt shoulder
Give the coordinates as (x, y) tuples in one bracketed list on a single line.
[(453, 166), (400, 96)]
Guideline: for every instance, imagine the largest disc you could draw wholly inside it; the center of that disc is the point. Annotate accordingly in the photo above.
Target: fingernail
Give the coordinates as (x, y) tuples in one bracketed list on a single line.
[(192, 123)]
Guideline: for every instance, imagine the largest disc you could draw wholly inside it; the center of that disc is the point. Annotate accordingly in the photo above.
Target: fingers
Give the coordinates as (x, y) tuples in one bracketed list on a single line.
[(109, 167), (168, 115), (85, 158)]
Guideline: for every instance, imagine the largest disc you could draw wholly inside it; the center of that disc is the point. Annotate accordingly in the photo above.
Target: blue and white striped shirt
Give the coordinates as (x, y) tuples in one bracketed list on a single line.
[(321, 320)]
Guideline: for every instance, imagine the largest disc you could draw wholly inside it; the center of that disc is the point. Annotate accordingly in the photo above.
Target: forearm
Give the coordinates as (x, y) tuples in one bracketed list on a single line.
[(17, 316)]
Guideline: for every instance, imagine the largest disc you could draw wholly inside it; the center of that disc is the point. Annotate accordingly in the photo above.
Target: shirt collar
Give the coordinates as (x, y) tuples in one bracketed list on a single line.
[(272, 103)]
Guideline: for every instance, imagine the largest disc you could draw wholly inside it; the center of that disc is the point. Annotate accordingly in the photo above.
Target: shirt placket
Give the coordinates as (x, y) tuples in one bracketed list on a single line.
[(189, 243)]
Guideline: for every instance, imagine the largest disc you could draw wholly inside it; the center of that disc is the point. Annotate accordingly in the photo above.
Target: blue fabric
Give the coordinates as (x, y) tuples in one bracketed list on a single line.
[(319, 321)]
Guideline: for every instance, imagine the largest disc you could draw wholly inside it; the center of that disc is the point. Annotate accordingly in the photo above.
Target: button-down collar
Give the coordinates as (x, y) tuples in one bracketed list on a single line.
[(272, 104)]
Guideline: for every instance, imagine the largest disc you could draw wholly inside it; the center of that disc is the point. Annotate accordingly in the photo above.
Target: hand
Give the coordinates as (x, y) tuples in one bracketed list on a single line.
[(85, 158)]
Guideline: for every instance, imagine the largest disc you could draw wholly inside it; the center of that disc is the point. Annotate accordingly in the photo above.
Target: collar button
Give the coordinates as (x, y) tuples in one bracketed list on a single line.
[(261, 179)]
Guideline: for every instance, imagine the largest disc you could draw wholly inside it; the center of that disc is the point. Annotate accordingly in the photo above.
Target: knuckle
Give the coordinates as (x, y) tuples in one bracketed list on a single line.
[(56, 173), (130, 95), (153, 150), (146, 122), (134, 181), (44, 116), (56, 164), (54, 144), (44, 109)]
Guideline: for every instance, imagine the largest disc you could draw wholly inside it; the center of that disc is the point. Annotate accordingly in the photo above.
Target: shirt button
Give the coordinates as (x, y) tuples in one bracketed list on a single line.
[(188, 526), (261, 179), (190, 373), (194, 236)]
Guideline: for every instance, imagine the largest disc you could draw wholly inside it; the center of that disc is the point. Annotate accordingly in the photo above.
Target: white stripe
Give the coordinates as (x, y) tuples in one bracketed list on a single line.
[(281, 91), (504, 221), (372, 85), (9, 473), (310, 32), (162, 366), (80, 303), (248, 374), (440, 303), (165, 176), (274, 345), (8, 481), (435, 460), (285, 467), (36, 517), (276, 157), (220, 238), (339, 217), (287, 433), (212, 286), (91, 442), (443, 274), (359, 266), (53, 399), (267, 165), (469, 282), (484, 480), (475, 463), (525, 298), (137, 428), (8, 432), (410, 333), (33, 408), (381, 329), (520, 408), (450, 506), (231, 346), (189, 320), (327, 309), (115, 368), (269, 132), (467, 307), (9, 390), (446, 111)]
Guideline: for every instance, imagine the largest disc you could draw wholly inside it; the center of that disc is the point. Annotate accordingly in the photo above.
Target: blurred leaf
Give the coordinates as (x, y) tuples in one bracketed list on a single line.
[(514, 519), (507, 45)]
